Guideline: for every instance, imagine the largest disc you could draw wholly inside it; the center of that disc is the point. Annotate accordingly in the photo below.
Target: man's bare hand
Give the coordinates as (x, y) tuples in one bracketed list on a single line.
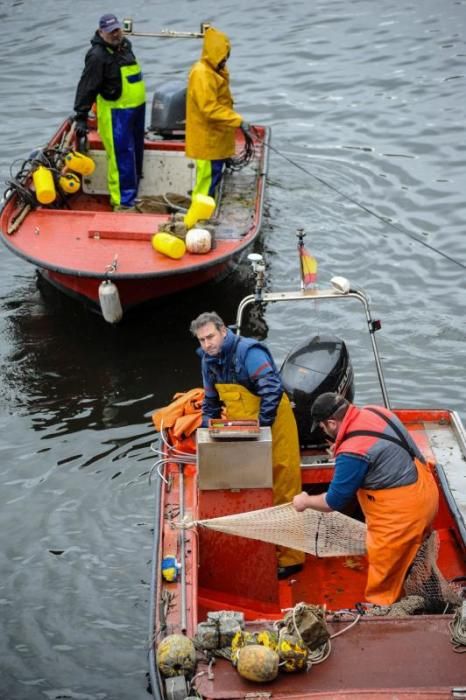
[(300, 502)]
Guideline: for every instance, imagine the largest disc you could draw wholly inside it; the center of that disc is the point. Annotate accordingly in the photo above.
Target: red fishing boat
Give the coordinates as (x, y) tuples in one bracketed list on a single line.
[(214, 578), (77, 242)]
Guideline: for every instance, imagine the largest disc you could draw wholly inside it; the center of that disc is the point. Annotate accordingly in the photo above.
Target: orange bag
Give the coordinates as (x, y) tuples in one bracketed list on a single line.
[(181, 418)]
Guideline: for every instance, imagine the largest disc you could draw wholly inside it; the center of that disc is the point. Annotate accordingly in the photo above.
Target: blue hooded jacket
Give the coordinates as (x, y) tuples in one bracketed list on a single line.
[(242, 361)]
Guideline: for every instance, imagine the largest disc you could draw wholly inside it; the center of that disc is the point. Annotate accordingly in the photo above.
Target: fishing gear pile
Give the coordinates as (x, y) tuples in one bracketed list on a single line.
[(290, 645)]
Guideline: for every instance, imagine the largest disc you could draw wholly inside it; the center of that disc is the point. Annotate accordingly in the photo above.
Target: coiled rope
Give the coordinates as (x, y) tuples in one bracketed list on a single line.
[(458, 631), (244, 157)]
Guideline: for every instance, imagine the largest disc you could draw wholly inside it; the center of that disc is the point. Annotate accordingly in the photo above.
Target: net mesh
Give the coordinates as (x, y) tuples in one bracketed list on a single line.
[(322, 534), (425, 578)]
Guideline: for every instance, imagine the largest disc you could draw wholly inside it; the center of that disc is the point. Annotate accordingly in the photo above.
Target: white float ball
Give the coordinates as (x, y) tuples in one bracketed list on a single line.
[(198, 240)]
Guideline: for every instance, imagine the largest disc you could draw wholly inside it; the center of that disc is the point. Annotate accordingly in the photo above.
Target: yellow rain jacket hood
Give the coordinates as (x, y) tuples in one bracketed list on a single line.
[(210, 118)]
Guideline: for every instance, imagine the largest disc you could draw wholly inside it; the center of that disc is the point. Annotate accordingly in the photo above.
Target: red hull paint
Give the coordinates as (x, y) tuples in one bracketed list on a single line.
[(133, 292)]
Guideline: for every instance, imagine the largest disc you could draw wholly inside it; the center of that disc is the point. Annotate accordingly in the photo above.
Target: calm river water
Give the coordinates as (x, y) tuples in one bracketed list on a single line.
[(366, 96)]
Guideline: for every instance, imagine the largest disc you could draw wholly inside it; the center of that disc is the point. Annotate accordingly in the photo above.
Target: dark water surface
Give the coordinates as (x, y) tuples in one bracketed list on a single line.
[(366, 96)]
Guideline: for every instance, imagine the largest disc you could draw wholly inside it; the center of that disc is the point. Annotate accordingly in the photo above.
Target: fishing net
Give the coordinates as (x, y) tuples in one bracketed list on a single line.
[(322, 534), (425, 579)]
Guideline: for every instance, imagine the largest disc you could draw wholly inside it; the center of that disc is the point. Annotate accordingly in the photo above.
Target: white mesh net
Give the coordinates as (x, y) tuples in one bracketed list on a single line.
[(321, 534)]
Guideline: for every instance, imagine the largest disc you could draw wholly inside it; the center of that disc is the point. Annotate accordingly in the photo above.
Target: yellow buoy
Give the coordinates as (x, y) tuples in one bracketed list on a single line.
[(257, 663), (293, 653), (169, 245), (44, 185), (79, 163), (176, 656), (69, 183), (202, 207)]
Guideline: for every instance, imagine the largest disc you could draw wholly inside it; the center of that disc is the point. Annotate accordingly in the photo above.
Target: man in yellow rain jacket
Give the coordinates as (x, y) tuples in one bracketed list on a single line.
[(211, 121), (113, 79), (239, 375), (377, 460)]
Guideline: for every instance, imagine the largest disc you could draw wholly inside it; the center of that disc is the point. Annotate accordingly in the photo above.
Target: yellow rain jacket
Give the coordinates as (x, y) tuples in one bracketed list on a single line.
[(242, 404), (210, 119)]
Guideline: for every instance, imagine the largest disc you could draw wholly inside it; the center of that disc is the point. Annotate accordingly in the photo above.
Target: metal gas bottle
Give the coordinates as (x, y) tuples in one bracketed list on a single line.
[(169, 245), (79, 163), (44, 185)]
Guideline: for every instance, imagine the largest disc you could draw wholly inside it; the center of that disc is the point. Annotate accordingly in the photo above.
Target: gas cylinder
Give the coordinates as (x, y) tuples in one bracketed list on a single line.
[(79, 163), (110, 302), (69, 183), (169, 245), (202, 207), (45, 187)]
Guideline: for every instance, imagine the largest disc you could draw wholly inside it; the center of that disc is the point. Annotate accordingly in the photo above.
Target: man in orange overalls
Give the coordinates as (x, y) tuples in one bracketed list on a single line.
[(377, 460)]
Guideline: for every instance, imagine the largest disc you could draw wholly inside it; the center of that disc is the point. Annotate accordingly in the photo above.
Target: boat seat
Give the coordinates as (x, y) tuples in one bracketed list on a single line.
[(122, 226)]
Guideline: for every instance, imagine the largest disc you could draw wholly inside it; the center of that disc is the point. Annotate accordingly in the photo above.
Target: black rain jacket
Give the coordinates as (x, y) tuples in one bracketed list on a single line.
[(101, 74)]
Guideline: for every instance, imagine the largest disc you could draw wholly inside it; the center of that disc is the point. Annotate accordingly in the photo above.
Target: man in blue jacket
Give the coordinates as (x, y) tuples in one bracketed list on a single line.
[(240, 376)]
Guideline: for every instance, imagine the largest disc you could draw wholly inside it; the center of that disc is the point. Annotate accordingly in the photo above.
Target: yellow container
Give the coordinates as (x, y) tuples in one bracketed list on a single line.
[(169, 245), (202, 207), (45, 187), (79, 163), (69, 183)]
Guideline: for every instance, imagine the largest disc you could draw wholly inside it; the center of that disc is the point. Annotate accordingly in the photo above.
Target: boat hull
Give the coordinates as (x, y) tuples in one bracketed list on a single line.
[(78, 241), (376, 657), (133, 292)]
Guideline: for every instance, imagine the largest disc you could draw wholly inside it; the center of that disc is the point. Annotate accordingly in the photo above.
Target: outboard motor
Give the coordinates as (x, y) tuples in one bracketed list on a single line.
[(317, 365), (168, 116)]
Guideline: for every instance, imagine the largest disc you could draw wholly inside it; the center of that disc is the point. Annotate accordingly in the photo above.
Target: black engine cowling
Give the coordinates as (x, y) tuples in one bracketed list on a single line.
[(168, 116), (317, 365)]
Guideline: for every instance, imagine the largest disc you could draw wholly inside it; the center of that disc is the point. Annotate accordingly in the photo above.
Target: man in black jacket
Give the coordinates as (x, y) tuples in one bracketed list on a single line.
[(113, 80)]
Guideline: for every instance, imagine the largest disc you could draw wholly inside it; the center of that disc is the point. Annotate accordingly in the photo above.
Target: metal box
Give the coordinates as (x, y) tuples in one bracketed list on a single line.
[(234, 464)]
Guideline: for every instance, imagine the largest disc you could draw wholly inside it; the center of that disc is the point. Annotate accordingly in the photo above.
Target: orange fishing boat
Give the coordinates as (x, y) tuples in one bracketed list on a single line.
[(77, 242), (209, 585)]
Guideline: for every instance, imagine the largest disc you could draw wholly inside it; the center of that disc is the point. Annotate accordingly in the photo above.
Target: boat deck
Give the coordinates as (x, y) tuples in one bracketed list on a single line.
[(378, 657), (84, 237)]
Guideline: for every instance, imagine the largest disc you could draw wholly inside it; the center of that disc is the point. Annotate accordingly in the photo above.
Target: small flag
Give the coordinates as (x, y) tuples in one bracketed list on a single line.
[(308, 267)]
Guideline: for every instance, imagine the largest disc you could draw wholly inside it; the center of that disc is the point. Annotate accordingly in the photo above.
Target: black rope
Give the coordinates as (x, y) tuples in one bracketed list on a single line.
[(51, 158), (367, 210), (244, 157)]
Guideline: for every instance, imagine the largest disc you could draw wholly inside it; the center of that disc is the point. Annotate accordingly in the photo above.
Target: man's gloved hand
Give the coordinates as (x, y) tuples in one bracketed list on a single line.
[(80, 126), (247, 129)]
